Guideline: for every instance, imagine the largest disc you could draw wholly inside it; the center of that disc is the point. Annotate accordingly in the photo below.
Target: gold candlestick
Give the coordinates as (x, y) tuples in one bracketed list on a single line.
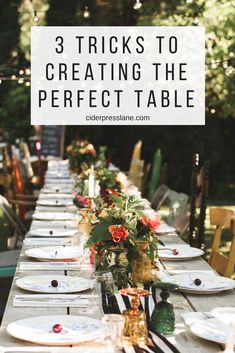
[(135, 325)]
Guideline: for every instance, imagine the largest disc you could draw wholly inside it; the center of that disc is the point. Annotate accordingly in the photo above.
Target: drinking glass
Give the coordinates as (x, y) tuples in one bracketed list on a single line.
[(113, 329), (102, 288)]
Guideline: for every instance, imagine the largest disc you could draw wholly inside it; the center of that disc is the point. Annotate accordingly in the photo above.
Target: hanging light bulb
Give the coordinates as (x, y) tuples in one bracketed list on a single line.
[(212, 111), (137, 5), (27, 84), (230, 71), (35, 17), (13, 77), (0, 81), (27, 71), (21, 80), (21, 72), (86, 13)]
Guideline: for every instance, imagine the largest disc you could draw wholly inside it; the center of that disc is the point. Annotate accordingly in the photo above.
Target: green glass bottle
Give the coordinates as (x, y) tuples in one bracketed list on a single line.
[(163, 317)]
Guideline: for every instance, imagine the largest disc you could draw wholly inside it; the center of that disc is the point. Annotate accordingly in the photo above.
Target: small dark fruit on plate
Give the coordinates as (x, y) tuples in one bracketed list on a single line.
[(54, 283), (57, 328), (197, 282), (175, 252), (51, 232)]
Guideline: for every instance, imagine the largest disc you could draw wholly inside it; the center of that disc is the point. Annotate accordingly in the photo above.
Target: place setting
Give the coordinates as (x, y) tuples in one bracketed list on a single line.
[(56, 253), (178, 252), (196, 282)]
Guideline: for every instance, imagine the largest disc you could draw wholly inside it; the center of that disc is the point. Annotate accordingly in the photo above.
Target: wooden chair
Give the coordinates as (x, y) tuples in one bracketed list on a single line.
[(14, 186), (222, 218), (14, 220), (198, 201)]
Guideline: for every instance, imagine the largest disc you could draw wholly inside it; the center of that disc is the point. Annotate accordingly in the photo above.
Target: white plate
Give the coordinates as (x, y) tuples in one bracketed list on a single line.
[(210, 329), (42, 284), (58, 190), (39, 329), (54, 195), (46, 232), (55, 253), (185, 252), (54, 202), (210, 283), (56, 216), (164, 228)]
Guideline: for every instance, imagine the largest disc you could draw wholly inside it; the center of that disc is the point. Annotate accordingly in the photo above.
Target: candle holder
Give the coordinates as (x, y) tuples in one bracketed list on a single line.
[(135, 325), (163, 317), (85, 225)]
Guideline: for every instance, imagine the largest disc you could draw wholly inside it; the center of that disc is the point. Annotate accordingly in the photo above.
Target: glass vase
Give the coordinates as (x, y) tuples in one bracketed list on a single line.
[(119, 271)]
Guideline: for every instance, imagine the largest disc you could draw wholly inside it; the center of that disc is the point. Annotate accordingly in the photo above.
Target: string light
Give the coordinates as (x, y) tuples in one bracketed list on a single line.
[(137, 5), (0, 81), (21, 80), (212, 111), (230, 71), (35, 17), (86, 13), (27, 71), (21, 72), (13, 77), (27, 83)]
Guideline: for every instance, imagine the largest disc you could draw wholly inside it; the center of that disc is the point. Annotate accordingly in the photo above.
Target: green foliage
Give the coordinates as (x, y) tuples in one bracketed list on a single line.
[(218, 19)]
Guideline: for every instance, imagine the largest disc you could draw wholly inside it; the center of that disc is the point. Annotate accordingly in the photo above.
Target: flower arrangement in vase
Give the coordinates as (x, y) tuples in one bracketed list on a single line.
[(81, 155), (121, 225)]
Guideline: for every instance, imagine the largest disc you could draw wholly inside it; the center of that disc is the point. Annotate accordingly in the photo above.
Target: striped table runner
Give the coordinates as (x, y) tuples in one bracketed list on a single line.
[(115, 304)]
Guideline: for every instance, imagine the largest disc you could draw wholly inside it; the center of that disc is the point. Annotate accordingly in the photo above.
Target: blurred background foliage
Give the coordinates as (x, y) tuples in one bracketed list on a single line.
[(215, 141)]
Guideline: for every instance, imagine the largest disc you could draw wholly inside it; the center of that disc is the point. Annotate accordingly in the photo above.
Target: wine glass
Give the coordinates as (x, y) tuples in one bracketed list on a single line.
[(227, 315)]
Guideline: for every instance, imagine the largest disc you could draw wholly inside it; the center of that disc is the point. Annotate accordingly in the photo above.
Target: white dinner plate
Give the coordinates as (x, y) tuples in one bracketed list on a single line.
[(56, 216), (164, 228), (75, 329), (55, 253), (42, 284), (57, 189), (54, 195), (210, 329), (54, 202), (210, 284), (50, 232), (183, 252)]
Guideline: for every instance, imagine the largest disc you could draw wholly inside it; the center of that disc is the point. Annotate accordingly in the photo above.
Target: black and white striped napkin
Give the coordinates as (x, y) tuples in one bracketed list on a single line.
[(115, 304)]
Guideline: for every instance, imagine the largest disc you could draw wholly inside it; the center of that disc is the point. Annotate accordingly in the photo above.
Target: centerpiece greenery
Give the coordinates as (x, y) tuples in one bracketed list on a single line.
[(120, 225), (81, 155)]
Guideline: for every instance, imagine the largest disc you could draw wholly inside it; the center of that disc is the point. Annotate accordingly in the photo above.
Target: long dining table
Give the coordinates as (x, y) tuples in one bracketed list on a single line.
[(182, 338)]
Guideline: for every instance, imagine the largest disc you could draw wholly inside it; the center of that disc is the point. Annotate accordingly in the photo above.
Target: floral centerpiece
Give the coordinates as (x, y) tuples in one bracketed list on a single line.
[(82, 201), (121, 225), (84, 204), (81, 154)]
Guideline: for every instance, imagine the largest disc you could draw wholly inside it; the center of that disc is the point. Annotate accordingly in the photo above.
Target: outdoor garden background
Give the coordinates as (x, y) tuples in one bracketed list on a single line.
[(215, 141)]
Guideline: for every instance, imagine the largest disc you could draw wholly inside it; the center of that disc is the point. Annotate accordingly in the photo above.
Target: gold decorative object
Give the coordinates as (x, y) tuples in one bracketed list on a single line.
[(135, 326), (142, 269), (85, 225)]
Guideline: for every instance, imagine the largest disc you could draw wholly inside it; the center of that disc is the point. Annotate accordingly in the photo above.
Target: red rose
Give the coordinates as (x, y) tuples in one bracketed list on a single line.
[(118, 233), (152, 223)]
